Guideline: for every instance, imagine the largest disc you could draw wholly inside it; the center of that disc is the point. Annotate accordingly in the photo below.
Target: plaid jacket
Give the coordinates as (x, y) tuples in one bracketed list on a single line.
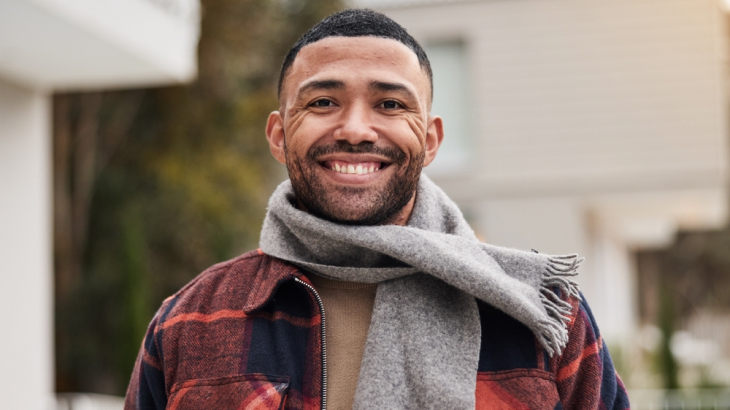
[(247, 334)]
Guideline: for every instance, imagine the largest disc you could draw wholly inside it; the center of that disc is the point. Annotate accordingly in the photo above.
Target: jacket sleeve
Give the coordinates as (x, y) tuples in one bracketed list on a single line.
[(585, 375), (146, 389)]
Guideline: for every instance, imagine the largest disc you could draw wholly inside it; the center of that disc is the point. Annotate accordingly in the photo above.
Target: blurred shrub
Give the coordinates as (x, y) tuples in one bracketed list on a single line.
[(679, 282), (153, 186)]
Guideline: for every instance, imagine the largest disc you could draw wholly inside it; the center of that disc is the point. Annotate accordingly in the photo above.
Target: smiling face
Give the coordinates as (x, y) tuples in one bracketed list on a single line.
[(354, 129)]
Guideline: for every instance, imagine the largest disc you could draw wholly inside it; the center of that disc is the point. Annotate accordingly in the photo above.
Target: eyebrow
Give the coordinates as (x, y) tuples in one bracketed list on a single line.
[(321, 85), (381, 86), (385, 86)]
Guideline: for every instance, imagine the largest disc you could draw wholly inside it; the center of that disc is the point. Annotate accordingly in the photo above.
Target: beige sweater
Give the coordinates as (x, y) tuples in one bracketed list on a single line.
[(348, 307)]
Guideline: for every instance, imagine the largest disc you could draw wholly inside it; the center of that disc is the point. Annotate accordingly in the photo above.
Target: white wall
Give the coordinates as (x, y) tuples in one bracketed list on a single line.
[(26, 296), (573, 96)]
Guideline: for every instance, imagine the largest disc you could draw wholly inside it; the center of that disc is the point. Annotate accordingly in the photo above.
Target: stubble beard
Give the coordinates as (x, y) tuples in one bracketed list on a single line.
[(354, 205)]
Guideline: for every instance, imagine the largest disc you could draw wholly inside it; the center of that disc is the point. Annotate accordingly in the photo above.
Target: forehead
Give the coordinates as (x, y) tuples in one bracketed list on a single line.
[(355, 58)]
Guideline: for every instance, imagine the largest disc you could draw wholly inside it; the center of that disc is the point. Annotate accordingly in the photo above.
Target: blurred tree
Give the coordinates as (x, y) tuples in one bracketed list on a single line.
[(696, 271), (691, 275), (666, 362), (152, 186)]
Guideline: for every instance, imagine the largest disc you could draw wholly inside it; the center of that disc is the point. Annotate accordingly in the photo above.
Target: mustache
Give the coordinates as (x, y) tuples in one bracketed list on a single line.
[(394, 155)]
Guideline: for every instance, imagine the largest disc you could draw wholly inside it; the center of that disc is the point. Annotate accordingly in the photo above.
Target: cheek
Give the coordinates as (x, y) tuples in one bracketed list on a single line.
[(300, 136), (413, 133)]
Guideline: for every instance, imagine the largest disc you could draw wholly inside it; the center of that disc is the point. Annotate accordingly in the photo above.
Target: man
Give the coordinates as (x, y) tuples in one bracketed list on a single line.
[(370, 291)]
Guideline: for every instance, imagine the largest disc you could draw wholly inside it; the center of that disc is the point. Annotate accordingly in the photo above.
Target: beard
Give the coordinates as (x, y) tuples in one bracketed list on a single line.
[(354, 205)]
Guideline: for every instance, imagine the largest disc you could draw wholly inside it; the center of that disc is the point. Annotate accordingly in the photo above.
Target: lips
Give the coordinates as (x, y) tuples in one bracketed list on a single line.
[(352, 161)]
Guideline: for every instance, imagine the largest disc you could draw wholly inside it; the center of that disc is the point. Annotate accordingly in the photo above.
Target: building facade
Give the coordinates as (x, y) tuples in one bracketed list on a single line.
[(48, 46), (580, 126)]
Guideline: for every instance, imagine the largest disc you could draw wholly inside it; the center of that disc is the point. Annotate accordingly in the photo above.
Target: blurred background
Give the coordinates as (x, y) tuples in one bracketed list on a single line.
[(132, 157)]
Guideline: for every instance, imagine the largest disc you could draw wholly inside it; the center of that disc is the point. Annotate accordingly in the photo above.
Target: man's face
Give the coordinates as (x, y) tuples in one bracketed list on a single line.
[(354, 129)]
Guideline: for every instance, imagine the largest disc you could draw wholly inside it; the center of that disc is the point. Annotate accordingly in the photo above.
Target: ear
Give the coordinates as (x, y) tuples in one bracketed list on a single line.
[(434, 137), (275, 136)]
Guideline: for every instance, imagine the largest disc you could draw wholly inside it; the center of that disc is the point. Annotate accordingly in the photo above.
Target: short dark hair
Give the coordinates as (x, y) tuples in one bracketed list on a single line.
[(356, 23)]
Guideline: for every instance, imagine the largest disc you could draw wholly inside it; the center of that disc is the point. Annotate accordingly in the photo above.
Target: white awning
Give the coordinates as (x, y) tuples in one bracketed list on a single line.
[(91, 44)]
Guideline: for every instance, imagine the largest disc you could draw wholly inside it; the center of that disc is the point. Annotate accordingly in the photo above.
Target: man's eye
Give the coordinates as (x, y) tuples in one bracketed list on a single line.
[(390, 105), (323, 103)]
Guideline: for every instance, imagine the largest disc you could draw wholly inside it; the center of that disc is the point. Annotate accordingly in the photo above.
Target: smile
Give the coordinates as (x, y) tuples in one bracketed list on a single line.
[(358, 168)]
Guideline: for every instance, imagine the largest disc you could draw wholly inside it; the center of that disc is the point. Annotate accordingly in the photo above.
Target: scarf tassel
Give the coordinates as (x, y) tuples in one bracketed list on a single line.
[(553, 332)]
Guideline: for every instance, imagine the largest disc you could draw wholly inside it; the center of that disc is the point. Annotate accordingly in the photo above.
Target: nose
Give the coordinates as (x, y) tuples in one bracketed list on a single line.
[(356, 126)]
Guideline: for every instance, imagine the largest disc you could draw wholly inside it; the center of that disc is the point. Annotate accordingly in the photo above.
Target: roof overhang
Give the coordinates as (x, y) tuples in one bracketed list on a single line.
[(93, 44)]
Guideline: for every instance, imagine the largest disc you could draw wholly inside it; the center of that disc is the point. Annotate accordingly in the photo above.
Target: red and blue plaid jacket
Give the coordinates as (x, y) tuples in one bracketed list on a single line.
[(247, 334)]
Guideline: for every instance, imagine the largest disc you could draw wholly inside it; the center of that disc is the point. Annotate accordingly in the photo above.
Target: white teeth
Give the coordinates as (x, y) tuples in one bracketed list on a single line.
[(358, 169)]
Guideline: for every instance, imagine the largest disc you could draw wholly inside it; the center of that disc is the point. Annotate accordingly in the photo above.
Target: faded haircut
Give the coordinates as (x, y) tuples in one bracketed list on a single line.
[(356, 23)]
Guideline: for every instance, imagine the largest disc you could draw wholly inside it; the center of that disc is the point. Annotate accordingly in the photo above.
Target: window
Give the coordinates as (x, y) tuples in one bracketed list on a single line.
[(451, 101)]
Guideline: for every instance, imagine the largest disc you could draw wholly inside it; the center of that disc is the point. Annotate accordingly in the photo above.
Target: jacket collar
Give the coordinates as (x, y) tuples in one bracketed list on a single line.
[(271, 273)]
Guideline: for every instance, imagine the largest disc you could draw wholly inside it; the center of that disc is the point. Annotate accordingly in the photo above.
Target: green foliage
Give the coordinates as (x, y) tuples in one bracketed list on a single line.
[(186, 189), (619, 359), (679, 282), (667, 363)]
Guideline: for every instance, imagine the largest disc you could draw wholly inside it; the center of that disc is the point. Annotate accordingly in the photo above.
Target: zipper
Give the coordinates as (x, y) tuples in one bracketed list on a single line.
[(323, 342)]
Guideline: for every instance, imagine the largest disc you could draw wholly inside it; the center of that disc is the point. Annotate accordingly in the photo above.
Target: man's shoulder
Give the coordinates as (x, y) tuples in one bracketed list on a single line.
[(244, 283)]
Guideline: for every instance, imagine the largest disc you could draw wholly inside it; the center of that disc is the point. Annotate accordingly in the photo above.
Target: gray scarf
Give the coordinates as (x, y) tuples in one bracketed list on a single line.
[(422, 348)]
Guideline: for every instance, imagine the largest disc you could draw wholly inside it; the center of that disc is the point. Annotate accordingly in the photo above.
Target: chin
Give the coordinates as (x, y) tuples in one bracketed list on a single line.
[(378, 210), (348, 215)]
